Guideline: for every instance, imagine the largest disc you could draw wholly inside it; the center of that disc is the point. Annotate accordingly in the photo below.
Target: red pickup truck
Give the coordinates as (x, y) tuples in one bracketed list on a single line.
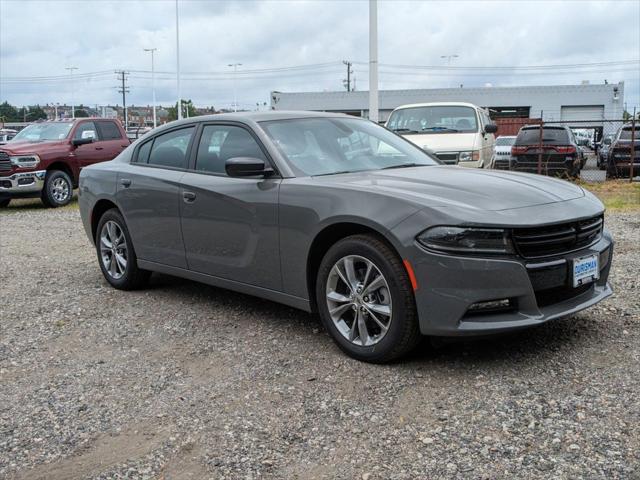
[(44, 160)]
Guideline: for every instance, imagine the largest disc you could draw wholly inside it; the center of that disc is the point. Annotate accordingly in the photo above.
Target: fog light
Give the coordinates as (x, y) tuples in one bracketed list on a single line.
[(25, 181), (491, 306)]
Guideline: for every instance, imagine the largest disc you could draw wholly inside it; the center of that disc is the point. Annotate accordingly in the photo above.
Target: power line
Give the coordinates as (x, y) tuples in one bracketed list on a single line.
[(123, 89), (347, 81)]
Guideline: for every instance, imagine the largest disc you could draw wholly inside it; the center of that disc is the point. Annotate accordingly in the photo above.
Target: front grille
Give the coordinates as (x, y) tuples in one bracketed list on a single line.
[(5, 163), (448, 158), (557, 239)]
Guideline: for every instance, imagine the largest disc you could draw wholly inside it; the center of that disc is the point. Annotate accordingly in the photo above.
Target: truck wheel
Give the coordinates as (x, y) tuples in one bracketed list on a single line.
[(116, 255), (365, 300), (4, 202), (58, 189)]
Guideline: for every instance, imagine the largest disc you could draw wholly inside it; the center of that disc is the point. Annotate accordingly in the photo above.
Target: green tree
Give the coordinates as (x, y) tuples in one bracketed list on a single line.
[(188, 110), (81, 112), (36, 112), (8, 113)]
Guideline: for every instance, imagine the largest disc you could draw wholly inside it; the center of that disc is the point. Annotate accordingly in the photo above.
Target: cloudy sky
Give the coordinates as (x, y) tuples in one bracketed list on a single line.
[(300, 45)]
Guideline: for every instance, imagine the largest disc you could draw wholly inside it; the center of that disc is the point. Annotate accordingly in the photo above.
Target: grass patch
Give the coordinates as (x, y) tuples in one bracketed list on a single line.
[(32, 204), (616, 194)]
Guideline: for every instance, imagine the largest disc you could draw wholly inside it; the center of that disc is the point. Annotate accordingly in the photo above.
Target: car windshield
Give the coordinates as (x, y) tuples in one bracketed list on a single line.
[(504, 141), (326, 146), (435, 119), (625, 134), (531, 136), (39, 132)]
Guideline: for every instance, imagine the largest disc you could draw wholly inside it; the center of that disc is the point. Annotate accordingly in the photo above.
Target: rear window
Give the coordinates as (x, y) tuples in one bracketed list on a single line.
[(625, 134), (109, 131), (531, 136)]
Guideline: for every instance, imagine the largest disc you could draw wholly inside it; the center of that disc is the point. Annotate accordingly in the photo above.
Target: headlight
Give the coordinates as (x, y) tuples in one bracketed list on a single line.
[(467, 240), (470, 156), (25, 161)]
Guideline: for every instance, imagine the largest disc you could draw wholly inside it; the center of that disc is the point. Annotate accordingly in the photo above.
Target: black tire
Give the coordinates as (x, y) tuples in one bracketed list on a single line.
[(52, 198), (403, 334), (4, 202), (133, 277)]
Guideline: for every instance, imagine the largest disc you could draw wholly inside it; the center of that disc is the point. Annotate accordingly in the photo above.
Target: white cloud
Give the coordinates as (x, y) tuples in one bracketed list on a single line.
[(40, 38)]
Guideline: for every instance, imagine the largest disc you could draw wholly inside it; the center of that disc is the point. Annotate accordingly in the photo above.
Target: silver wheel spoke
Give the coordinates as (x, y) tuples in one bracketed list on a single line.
[(337, 297), (374, 285), (375, 318), (350, 271), (379, 308), (340, 310), (343, 278), (121, 261), (113, 270), (363, 333)]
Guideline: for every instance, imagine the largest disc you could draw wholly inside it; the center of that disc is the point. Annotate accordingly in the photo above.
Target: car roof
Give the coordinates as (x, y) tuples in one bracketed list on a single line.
[(439, 104)]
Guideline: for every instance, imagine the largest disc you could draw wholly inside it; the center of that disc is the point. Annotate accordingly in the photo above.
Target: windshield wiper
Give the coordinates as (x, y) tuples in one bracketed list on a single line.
[(405, 165), (440, 129), (332, 173), (405, 130)]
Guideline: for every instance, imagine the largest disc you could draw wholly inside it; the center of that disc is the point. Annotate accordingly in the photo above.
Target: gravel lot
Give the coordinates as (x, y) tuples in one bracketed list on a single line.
[(188, 381)]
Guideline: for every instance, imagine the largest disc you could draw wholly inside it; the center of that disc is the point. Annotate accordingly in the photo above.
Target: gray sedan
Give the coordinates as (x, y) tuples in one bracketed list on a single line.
[(337, 215)]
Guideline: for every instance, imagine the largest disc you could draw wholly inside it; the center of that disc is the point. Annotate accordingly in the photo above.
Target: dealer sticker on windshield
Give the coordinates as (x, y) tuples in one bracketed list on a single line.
[(585, 270)]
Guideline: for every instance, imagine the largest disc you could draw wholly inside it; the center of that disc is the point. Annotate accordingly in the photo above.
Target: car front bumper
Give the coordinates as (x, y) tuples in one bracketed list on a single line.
[(22, 183), (536, 291)]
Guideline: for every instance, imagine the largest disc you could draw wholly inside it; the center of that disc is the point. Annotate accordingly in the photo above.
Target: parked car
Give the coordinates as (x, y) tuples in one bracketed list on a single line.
[(45, 159), (619, 158), (459, 133), (561, 155), (603, 151), (501, 158), (338, 215), (7, 134)]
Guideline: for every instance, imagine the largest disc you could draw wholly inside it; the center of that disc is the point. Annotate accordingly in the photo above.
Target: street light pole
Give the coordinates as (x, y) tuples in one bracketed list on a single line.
[(73, 108), (235, 72), (153, 82), (373, 60), (178, 62)]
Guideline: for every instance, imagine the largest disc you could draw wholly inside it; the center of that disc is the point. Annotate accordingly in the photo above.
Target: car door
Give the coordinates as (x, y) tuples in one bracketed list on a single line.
[(230, 225), (88, 153), (149, 195), (112, 141)]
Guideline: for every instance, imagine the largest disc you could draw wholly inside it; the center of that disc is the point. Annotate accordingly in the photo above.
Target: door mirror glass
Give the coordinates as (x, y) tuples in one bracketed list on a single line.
[(490, 128), (246, 167)]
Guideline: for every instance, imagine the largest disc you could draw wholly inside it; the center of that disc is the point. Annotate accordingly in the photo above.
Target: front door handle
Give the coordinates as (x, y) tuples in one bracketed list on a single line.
[(189, 197), (125, 182)]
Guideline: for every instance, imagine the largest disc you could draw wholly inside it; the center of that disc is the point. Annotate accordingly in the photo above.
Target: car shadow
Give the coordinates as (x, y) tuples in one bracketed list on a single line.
[(556, 337)]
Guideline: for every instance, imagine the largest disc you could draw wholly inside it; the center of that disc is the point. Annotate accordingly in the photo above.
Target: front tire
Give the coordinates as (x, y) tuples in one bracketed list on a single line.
[(116, 255), (365, 300), (5, 202), (58, 189)]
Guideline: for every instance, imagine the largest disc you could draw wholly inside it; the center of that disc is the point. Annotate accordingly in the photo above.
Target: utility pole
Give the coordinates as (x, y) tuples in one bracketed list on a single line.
[(347, 82), (73, 108), (178, 62), (123, 89), (373, 60), (153, 82), (235, 73)]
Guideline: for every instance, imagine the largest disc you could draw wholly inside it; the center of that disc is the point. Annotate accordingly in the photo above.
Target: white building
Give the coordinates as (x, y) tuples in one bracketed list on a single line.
[(553, 102)]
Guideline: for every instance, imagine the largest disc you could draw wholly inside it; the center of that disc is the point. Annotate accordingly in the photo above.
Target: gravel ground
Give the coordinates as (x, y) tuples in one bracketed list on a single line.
[(188, 381)]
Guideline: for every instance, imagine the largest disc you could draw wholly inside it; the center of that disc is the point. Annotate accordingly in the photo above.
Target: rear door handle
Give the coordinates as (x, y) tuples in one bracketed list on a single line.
[(125, 182), (189, 197), (99, 148)]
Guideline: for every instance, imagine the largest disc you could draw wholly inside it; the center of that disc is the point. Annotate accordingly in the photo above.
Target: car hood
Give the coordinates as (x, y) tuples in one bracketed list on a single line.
[(444, 142), (25, 146), (441, 186)]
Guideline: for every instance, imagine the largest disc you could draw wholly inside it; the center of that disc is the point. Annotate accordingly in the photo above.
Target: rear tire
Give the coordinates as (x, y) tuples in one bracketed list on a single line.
[(58, 189), (356, 298), (116, 255), (5, 202)]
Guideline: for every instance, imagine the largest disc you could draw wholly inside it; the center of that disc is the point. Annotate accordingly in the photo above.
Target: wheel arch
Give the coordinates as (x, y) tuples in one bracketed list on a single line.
[(329, 236), (66, 168), (100, 207)]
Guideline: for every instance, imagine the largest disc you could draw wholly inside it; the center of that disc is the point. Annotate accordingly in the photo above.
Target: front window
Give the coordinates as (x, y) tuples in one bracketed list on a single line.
[(325, 146), (40, 132), (434, 119)]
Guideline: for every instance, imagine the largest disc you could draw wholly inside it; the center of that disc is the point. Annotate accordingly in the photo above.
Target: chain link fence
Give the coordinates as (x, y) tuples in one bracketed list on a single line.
[(589, 150)]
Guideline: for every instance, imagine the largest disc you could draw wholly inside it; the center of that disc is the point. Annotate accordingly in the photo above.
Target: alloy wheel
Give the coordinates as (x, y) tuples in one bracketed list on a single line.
[(60, 190), (359, 300), (113, 249)]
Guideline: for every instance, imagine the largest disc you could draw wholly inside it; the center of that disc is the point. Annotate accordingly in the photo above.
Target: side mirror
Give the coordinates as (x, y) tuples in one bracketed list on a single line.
[(81, 141), (246, 167), (490, 128)]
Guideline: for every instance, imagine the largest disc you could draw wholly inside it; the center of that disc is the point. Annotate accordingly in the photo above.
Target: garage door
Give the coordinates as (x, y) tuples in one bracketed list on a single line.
[(582, 112)]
